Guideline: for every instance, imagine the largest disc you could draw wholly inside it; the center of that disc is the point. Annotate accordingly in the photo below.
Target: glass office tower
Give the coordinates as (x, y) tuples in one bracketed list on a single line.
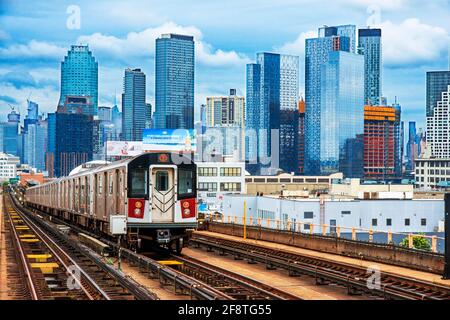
[(79, 76), (348, 31), (334, 113), (369, 45), (342, 116), (437, 83), (174, 82), (134, 109), (272, 93), (9, 134)]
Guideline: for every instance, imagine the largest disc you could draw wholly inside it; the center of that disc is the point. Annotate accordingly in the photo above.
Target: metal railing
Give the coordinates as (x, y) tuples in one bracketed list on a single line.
[(322, 229)]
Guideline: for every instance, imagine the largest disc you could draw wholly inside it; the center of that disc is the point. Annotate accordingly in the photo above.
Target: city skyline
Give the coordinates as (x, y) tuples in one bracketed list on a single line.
[(29, 63)]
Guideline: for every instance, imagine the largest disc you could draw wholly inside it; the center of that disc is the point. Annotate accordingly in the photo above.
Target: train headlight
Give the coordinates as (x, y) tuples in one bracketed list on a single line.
[(137, 211), (187, 212), (138, 204)]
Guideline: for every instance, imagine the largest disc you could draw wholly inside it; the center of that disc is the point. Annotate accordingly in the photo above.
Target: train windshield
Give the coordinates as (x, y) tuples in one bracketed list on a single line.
[(186, 183), (139, 183)]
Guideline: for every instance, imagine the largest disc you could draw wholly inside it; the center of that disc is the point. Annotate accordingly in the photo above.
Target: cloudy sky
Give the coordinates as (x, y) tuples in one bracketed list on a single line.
[(35, 36)]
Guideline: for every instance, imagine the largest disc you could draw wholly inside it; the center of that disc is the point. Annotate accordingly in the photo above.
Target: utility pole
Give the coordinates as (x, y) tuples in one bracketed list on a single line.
[(446, 274)]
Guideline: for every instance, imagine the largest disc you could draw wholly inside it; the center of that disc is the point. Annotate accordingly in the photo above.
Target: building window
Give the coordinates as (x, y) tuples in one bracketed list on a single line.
[(407, 222), (308, 215), (207, 172), (388, 222), (423, 222), (306, 226), (346, 212), (374, 222), (207, 186), (230, 172), (266, 214), (230, 186)]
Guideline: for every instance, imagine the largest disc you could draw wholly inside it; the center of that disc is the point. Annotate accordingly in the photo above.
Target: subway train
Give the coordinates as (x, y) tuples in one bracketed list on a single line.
[(157, 192)]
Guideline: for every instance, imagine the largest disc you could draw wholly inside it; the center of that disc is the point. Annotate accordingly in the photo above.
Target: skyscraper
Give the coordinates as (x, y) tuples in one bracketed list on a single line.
[(272, 93), (34, 138), (412, 146), (437, 83), (79, 76), (369, 45), (174, 82), (35, 144), (382, 138), (301, 136), (225, 110), (438, 128), (334, 115), (134, 109), (9, 134), (70, 142), (348, 31), (148, 116), (116, 118), (224, 118), (104, 113), (32, 115)]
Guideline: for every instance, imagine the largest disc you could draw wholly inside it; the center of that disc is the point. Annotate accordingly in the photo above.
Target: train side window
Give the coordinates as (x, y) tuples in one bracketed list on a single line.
[(138, 183), (100, 184), (111, 184), (162, 181), (185, 181)]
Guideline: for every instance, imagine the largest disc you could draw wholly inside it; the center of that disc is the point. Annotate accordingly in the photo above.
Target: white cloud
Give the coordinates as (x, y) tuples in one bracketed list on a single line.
[(4, 35), (382, 4), (47, 98), (142, 44), (297, 47), (34, 50), (412, 42)]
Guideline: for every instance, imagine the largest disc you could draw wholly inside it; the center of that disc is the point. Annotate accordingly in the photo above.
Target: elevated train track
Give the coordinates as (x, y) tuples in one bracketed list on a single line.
[(57, 268), (324, 271), (191, 277)]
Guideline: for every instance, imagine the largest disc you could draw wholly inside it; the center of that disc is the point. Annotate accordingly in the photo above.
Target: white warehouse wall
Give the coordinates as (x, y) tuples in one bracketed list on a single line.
[(361, 212)]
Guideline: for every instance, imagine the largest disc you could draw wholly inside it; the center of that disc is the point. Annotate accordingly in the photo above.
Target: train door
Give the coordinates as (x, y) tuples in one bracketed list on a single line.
[(163, 194)]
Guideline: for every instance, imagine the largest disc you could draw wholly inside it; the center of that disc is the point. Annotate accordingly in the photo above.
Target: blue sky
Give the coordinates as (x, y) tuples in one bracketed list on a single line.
[(34, 38)]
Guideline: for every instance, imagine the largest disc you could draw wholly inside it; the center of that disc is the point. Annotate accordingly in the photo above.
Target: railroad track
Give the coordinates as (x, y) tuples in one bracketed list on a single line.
[(180, 283), (11, 283), (354, 278), (70, 271), (194, 278), (232, 284)]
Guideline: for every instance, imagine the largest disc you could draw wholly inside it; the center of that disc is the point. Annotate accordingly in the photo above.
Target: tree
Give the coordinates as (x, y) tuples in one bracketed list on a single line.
[(419, 242)]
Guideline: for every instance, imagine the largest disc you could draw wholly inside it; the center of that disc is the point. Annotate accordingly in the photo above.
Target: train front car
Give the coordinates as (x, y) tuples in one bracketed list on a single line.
[(162, 199)]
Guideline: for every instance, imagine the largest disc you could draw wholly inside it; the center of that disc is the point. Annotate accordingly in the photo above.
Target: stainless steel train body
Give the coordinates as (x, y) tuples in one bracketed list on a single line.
[(155, 191)]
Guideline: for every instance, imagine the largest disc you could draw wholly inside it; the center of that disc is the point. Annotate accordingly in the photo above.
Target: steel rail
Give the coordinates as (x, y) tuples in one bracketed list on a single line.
[(242, 281), (134, 288), (195, 288), (51, 244), (25, 265), (392, 286)]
